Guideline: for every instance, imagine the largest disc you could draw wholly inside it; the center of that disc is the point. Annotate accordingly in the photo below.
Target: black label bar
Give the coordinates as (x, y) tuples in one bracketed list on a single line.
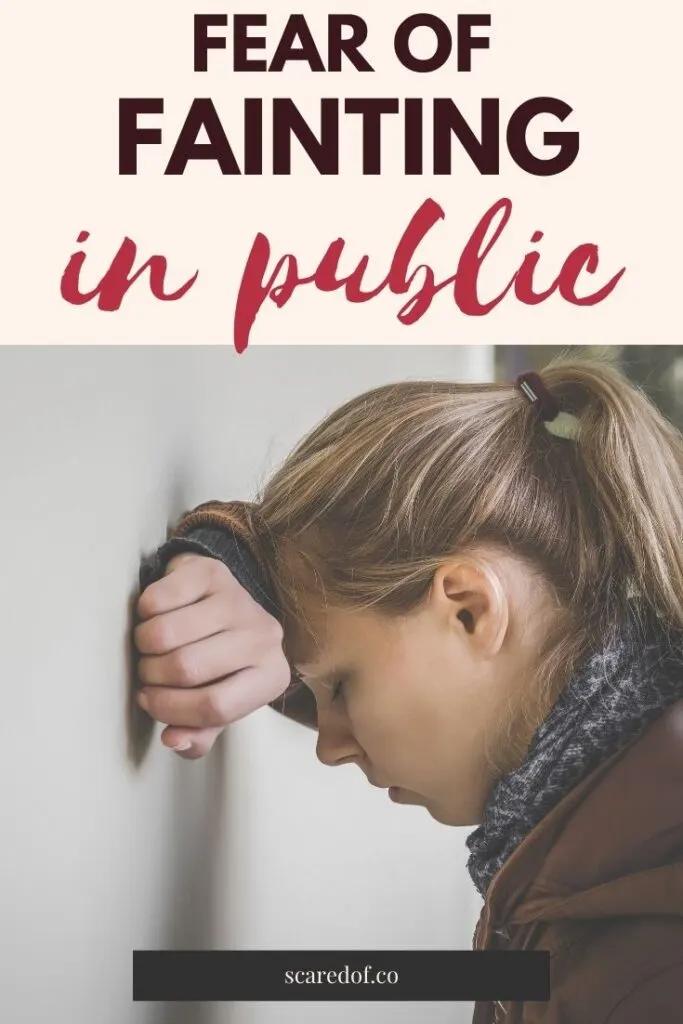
[(340, 976)]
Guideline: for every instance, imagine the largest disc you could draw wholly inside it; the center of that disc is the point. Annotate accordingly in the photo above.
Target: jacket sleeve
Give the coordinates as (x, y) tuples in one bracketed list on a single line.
[(213, 529), (658, 1000)]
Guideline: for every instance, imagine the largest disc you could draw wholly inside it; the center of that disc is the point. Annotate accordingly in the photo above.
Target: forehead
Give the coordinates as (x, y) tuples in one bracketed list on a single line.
[(338, 638), (320, 637), (319, 629)]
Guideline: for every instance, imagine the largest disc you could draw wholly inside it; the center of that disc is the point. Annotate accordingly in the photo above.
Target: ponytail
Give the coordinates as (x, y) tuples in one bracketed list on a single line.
[(630, 475)]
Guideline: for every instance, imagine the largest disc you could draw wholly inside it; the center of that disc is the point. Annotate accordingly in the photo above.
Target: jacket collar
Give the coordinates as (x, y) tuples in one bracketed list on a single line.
[(624, 818)]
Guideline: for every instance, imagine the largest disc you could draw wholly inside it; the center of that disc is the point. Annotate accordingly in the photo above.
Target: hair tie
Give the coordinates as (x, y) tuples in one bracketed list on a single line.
[(561, 424)]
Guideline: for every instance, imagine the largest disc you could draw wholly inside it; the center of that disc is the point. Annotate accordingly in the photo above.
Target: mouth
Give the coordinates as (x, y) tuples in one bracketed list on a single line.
[(393, 792)]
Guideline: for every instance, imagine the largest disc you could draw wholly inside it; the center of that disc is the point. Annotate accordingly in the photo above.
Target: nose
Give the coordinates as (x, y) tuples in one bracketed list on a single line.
[(336, 744), (335, 754)]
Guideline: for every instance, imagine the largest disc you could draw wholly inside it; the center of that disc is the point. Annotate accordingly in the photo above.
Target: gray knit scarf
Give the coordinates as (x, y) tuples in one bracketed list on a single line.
[(620, 690)]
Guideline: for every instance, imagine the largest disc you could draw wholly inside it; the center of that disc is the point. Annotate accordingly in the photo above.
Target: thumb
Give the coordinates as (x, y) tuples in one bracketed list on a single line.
[(200, 741)]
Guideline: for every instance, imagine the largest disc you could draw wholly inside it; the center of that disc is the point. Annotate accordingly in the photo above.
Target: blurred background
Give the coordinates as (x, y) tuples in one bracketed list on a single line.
[(658, 369)]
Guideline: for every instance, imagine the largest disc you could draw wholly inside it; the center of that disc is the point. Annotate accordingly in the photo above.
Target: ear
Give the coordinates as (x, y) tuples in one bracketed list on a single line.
[(470, 597)]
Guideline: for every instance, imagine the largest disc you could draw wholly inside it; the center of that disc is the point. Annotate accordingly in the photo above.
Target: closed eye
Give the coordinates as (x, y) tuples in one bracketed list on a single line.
[(334, 686), (337, 689)]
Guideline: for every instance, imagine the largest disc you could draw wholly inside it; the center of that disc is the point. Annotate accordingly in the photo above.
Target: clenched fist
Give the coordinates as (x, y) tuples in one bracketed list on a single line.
[(209, 653)]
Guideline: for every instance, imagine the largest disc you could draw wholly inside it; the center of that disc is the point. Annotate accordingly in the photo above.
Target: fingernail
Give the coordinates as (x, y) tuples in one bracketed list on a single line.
[(143, 701), (182, 746)]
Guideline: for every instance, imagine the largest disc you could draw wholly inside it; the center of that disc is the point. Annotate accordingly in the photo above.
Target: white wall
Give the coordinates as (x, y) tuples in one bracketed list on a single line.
[(110, 842)]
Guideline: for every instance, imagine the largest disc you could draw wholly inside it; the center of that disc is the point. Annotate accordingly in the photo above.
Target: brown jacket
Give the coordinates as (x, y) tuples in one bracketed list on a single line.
[(598, 882)]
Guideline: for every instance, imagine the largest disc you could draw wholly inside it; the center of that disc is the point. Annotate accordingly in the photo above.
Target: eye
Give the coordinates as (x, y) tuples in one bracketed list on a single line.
[(337, 689)]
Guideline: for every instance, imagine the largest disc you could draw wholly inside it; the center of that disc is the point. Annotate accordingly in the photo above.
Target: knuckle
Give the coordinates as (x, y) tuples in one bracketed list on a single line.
[(160, 634), (140, 639), (184, 666), (215, 571), (268, 629), (177, 560), (153, 637), (147, 602), (212, 708), (278, 672), (282, 672), (152, 708), (275, 632)]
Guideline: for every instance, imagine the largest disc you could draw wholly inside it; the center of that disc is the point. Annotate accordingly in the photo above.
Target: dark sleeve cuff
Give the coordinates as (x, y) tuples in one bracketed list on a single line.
[(227, 547)]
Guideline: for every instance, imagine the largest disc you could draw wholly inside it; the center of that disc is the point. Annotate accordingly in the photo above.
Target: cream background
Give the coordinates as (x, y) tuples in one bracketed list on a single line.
[(66, 64)]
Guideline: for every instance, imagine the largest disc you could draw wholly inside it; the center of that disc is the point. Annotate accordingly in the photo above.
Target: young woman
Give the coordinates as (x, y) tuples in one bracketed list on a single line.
[(475, 594)]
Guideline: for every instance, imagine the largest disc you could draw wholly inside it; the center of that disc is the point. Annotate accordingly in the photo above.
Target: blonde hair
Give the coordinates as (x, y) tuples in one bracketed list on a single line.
[(400, 478)]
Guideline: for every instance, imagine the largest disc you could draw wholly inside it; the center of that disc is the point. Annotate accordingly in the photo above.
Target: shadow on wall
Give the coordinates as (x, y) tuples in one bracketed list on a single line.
[(139, 726), (194, 843), (191, 918)]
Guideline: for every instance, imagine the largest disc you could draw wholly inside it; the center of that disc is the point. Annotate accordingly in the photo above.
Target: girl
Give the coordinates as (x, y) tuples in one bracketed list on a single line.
[(475, 594)]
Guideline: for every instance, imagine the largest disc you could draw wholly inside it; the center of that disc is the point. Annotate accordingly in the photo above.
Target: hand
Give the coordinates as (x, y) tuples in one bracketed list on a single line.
[(200, 626)]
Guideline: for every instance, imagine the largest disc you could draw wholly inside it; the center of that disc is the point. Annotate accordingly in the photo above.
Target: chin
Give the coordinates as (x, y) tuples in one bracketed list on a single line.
[(404, 796), (438, 812), (438, 816), (443, 816), (407, 796)]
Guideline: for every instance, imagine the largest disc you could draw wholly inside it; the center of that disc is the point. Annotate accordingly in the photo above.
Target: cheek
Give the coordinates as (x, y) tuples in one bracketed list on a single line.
[(392, 715), (417, 707)]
